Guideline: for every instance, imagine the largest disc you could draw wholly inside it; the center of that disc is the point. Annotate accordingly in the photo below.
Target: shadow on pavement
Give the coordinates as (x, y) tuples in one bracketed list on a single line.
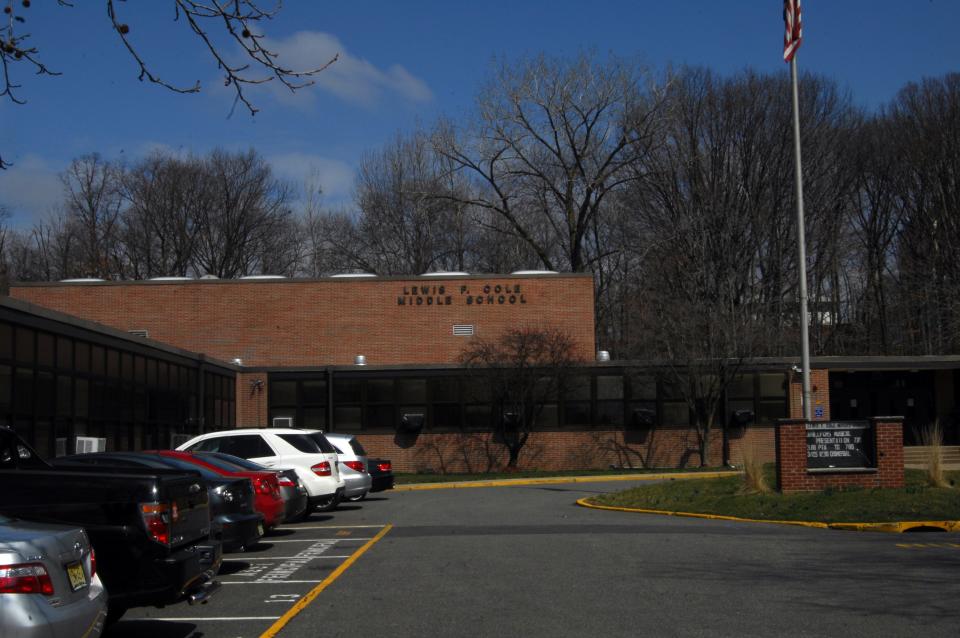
[(151, 629)]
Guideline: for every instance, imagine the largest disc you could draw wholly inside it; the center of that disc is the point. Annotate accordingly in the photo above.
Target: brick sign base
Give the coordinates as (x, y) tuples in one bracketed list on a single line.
[(793, 474)]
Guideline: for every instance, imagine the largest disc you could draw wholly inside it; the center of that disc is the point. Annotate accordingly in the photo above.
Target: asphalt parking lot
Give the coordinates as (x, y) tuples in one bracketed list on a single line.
[(525, 560)]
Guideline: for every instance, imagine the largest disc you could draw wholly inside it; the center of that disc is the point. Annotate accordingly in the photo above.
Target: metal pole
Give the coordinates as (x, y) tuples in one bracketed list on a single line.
[(801, 248)]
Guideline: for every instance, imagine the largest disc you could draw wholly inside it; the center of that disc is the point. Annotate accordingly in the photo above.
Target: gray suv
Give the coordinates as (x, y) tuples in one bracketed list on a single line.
[(353, 465)]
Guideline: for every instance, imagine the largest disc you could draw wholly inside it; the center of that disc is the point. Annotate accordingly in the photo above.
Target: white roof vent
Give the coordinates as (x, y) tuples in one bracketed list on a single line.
[(441, 273), (81, 280), (209, 277), (534, 272), (360, 360), (262, 277), (603, 355), (464, 330), (139, 333), (345, 275)]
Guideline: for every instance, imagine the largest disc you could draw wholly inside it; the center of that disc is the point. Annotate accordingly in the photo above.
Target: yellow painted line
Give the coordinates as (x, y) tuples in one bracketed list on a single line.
[(894, 527), (559, 479), (306, 600)]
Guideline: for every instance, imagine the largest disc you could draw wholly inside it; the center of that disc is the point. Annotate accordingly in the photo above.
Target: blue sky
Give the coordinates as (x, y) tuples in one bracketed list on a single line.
[(404, 63)]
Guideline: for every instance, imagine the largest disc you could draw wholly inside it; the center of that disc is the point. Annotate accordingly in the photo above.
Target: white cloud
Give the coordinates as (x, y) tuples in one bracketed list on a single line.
[(333, 177), (30, 189), (350, 78)]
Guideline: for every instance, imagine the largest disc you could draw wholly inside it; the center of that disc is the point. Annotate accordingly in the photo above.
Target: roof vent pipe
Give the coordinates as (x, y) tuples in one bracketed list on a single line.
[(360, 360), (603, 355)]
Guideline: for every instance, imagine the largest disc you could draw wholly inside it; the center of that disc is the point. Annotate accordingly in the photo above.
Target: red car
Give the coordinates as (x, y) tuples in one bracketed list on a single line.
[(266, 485)]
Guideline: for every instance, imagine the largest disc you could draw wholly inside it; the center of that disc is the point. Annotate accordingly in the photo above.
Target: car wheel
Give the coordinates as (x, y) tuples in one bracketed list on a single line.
[(329, 503), (354, 499)]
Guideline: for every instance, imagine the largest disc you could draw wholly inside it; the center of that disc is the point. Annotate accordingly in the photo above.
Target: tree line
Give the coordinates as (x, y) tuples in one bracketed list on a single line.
[(673, 188)]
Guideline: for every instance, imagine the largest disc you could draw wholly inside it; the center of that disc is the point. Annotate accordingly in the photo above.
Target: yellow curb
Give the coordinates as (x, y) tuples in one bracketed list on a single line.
[(555, 480), (894, 527)]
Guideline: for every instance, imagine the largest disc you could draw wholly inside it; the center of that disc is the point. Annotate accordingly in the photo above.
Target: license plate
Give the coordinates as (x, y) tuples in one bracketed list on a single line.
[(78, 579), (260, 529)]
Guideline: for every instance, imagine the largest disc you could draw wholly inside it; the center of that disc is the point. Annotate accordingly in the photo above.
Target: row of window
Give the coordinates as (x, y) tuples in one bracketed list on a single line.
[(452, 401), (55, 388)]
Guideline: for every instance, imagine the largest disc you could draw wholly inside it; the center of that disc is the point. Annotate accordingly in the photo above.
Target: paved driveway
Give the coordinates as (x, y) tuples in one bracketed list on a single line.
[(525, 561)]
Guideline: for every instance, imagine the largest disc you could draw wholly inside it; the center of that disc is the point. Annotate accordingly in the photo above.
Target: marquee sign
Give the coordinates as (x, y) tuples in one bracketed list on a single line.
[(839, 444)]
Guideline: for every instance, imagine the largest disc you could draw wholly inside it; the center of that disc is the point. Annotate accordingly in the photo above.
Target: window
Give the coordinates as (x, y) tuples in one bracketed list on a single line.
[(283, 393), (314, 391), (576, 393), (609, 400), (246, 446), (302, 442), (45, 349), (24, 345)]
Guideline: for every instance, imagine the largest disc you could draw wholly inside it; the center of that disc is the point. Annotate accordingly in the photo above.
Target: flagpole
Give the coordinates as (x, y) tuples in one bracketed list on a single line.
[(801, 248)]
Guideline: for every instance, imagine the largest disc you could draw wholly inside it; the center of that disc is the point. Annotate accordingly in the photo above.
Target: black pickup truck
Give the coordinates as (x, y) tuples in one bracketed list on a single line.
[(150, 528)]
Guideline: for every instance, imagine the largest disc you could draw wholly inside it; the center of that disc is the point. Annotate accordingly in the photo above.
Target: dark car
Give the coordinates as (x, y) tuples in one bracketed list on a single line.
[(266, 485), (381, 471), (232, 516), (145, 556), (294, 493)]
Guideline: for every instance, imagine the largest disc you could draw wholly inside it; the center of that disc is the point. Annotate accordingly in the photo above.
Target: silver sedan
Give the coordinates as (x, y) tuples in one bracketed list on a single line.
[(48, 582)]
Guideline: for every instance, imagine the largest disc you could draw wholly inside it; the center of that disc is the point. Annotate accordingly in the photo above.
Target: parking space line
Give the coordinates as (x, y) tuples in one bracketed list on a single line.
[(314, 540), (267, 581), (288, 557), (336, 527), (306, 600)]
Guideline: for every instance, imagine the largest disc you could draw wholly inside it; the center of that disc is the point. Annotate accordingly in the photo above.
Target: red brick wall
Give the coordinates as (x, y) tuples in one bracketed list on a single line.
[(251, 399), (793, 476), (330, 321), (564, 450)]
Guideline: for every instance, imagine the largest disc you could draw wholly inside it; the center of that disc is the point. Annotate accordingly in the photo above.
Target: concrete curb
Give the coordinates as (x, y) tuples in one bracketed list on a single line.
[(895, 527), (559, 479)]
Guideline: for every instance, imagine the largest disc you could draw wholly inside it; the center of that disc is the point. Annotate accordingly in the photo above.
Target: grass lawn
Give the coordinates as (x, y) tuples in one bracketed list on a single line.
[(723, 496), (402, 479)]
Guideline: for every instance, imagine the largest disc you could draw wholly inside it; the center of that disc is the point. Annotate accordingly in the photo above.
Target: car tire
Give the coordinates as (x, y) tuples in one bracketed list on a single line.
[(329, 503), (360, 497)]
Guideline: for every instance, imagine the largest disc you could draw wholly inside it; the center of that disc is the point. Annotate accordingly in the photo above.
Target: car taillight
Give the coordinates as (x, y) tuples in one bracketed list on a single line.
[(93, 563), (285, 481), (355, 465), (156, 518), (25, 578), (262, 486), (321, 469), (384, 466)]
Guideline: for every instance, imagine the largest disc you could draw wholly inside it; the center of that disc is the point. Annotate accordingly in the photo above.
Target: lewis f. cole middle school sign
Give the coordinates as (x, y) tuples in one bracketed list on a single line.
[(473, 295)]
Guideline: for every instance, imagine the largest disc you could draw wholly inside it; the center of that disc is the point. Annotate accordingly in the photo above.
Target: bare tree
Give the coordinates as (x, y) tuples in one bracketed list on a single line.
[(550, 143), (92, 205), (237, 21), (248, 222), (519, 373), (166, 197)]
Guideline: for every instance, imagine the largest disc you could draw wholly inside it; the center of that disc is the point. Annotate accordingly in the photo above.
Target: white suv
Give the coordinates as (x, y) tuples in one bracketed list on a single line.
[(309, 453)]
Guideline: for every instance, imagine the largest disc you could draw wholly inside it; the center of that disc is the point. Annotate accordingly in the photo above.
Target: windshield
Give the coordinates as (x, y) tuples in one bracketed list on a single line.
[(322, 442)]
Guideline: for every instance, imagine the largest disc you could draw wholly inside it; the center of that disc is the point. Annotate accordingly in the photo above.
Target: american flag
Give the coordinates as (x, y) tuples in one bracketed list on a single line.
[(793, 34)]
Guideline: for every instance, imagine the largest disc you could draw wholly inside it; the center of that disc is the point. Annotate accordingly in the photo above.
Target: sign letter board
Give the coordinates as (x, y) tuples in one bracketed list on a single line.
[(839, 444)]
